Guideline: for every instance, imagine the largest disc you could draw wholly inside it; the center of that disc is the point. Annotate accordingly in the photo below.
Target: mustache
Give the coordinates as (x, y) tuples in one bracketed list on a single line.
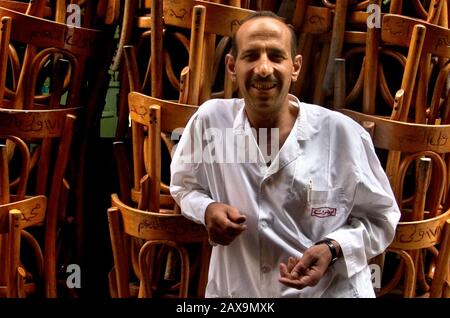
[(260, 79)]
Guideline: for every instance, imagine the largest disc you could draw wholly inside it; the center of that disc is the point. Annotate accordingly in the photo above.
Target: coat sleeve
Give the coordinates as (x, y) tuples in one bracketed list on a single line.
[(188, 184), (374, 215)]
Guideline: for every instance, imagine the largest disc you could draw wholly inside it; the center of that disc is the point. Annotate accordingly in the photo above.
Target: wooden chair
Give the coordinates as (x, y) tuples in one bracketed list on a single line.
[(14, 218), (432, 238), (154, 117), (68, 48), (422, 39), (423, 145), (399, 30), (166, 20), (157, 229), (42, 138)]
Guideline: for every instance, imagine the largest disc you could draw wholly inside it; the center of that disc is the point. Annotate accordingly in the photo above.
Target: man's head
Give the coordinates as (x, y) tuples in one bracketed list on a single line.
[(267, 14), (262, 64)]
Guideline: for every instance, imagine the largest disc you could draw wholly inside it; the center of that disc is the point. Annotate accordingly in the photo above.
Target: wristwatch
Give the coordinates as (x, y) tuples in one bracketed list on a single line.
[(333, 251)]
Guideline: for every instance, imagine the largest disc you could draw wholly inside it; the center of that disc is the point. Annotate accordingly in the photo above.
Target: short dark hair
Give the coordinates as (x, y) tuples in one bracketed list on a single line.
[(265, 14)]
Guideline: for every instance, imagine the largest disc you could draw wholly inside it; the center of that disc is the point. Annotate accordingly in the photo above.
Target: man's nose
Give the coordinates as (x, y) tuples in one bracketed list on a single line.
[(264, 67)]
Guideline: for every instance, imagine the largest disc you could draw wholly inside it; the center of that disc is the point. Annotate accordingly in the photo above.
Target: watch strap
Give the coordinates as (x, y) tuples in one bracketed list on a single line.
[(332, 248)]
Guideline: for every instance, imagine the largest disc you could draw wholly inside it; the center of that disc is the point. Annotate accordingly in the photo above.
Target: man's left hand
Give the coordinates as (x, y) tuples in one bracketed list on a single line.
[(307, 270)]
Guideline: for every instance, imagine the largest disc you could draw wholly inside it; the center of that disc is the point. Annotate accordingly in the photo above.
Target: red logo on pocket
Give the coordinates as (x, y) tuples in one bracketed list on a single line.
[(323, 212)]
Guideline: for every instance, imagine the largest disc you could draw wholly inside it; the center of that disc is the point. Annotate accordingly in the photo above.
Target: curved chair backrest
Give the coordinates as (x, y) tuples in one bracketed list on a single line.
[(14, 217), (66, 46), (44, 139), (425, 236), (156, 229), (153, 117)]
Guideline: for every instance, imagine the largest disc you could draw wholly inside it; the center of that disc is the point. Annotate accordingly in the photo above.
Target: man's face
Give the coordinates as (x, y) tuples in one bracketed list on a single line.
[(263, 67)]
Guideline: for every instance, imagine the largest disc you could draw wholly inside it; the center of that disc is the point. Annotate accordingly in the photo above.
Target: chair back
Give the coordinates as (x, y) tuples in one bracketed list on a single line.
[(14, 218), (154, 229)]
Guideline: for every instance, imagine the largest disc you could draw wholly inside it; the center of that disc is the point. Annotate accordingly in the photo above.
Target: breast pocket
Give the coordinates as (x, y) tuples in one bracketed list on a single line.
[(324, 203), (325, 209)]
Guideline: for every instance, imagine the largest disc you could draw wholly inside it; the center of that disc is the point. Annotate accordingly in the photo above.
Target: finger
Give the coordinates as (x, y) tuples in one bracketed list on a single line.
[(235, 229), (283, 270), (311, 279), (235, 216), (291, 263), (240, 219)]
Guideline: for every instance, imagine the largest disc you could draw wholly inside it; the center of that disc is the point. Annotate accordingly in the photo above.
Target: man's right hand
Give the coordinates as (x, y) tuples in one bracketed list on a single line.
[(223, 223)]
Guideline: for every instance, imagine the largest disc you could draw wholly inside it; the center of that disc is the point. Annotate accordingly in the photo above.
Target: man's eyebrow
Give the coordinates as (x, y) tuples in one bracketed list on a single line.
[(277, 51), (270, 50), (250, 50)]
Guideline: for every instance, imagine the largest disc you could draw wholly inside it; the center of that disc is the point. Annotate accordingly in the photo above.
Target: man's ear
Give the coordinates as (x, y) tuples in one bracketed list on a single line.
[(230, 64), (297, 66)]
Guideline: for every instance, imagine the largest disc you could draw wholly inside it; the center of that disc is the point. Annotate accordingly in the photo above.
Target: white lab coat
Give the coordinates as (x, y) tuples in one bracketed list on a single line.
[(326, 181)]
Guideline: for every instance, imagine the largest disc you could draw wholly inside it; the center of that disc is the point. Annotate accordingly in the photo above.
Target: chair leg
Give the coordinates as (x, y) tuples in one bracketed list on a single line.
[(112, 283)]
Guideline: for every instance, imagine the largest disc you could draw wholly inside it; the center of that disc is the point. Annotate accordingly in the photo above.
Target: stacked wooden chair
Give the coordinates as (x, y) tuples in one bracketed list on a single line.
[(330, 35), (417, 154), (422, 237), (161, 224), (42, 82), (153, 117), (36, 136)]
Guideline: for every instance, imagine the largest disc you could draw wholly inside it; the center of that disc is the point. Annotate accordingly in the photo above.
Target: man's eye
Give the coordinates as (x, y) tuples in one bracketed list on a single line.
[(250, 57), (277, 58)]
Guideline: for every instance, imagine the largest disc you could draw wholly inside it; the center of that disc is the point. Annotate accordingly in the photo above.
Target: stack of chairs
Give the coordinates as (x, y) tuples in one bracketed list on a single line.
[(177, 255), (331, 36), (43, 77), (410, 130)]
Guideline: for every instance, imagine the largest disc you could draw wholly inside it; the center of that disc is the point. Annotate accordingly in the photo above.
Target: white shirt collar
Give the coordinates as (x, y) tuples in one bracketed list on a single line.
[(304, 129)]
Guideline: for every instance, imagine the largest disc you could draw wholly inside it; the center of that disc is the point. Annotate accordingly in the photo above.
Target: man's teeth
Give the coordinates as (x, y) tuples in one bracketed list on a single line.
[(263, 85)]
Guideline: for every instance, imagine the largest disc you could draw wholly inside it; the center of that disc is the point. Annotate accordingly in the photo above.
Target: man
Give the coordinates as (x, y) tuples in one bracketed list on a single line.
[(300, 220)]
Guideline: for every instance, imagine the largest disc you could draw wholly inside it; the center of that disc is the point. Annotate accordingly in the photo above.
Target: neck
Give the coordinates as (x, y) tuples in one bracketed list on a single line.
[(278, 117), (283, 119)]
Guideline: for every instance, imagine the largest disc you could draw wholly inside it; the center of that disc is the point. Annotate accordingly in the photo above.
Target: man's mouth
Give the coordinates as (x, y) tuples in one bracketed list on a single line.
[(263, 85)]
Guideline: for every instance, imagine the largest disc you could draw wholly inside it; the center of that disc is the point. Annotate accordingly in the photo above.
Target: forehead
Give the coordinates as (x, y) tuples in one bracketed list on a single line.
[(263, 28)]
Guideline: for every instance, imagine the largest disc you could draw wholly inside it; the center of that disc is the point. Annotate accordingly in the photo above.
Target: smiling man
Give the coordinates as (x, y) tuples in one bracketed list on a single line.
[(303, 219)]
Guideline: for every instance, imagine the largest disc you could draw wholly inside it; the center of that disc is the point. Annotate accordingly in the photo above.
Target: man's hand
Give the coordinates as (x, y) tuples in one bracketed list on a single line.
[(307, 270), (223, 223)]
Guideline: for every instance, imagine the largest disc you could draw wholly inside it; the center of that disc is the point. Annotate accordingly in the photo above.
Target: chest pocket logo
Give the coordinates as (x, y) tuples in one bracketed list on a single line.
[(325, 203), (323, 212)]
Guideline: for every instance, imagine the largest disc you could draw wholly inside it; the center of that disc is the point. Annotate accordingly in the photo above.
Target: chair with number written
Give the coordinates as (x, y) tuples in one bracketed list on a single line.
[(422, 205)]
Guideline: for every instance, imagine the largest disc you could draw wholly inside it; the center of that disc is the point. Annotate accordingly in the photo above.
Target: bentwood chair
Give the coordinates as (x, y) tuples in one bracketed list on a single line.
[(64, 47), (421, 196), (41, 141), (431, 237), (154, 229), (153, 118), (15, 217)]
